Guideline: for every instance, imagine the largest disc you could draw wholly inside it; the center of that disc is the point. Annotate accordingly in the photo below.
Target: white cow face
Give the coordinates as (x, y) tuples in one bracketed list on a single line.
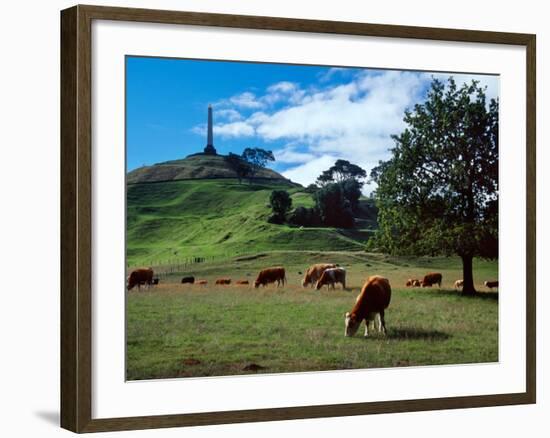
[(352, 324)]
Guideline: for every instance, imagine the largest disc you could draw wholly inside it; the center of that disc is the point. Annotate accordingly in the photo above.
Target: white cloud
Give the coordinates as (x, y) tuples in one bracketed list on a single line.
[(327, 76), (360, 114), (229, 114), (235, 129), (353, 120), (285, 91), (289, 154), (246, 100), (307, 173), (199, 129), (282, 87)]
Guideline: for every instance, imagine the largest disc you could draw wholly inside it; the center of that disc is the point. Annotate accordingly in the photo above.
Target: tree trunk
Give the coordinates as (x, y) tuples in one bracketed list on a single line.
[(468, 275)]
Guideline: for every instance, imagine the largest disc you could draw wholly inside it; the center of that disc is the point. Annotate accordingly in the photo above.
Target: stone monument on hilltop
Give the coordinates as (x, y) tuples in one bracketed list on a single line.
[(210, 149)]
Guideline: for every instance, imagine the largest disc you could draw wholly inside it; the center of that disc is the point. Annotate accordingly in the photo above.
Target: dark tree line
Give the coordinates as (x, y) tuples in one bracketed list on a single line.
[(336, 196)]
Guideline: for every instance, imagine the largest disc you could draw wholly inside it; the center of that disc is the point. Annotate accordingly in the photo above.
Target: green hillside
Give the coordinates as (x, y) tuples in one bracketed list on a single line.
[(172, 221), (198, 166)]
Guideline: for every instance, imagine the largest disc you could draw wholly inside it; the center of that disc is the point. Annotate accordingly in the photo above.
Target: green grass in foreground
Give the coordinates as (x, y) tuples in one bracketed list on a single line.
[(183, 330)]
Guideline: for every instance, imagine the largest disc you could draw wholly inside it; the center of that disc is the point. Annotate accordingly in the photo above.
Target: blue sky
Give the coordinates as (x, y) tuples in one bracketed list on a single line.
[(309, 116)]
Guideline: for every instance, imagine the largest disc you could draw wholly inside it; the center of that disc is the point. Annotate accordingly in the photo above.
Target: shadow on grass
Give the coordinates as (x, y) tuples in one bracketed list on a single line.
[(458, 294), (411, 333)]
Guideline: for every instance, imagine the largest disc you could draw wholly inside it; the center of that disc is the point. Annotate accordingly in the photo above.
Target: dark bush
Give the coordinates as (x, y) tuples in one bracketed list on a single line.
[(334, 209), (312, 188), (352, 192), (303, 216), (281, 203)]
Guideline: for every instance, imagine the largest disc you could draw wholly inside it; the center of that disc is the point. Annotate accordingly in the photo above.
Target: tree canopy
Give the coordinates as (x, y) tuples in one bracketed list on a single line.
[(281, 203), (257, 157), (249, 162), (438, 193), (332, 206), (239, 165), (341, 171)]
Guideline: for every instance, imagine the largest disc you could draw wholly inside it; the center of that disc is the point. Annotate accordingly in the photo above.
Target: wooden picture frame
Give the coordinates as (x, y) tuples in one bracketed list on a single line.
[(76, 217)]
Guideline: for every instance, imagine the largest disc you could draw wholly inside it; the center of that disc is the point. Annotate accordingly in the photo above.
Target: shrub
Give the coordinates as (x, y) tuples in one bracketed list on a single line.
[(281, 203), (303, 216), (334, 209)]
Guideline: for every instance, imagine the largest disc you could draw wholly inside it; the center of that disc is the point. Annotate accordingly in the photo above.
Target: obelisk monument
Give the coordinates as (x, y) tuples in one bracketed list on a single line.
[(210, 149)]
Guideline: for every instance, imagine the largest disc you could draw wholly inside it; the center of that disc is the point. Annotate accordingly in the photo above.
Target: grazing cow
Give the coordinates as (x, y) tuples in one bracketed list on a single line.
[(374, 298), (271, 275), (140, 276), (223, 281), (242, 282), (189, 280), (491, 284), (412, 282), (155, 281), (459, 284), (314, 272), (332, 276), (431, 279), (201, 282)]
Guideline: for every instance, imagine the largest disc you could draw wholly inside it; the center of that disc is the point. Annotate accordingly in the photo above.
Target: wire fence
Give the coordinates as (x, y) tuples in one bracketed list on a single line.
[(171, 266)]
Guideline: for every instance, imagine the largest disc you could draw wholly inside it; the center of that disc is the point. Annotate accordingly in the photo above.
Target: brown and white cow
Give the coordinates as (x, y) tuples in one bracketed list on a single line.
[(431, 279), (491, 284), (314, 272), (459, 284), (140, 276), (330, 277), (373, 300), (271, 275), (201, 282), (242, 282), (223, 281), (412, 282)]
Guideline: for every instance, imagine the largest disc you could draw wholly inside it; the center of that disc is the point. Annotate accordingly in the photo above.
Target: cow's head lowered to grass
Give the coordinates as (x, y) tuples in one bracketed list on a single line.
[(352, 324), (374, 298)]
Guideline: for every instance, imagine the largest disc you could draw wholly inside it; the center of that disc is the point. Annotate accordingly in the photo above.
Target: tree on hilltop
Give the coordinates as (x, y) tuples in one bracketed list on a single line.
[(241, 167), (257, 159)]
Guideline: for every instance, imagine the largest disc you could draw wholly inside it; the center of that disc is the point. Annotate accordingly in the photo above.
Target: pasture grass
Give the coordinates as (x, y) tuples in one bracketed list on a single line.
[(176, 330), (175, 220)]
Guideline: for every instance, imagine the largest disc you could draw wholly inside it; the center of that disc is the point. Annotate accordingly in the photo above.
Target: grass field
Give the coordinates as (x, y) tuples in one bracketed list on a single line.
[(175, 220), (176, 330)]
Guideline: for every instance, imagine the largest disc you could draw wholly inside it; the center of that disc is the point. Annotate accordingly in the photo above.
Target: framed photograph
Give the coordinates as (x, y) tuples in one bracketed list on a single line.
[(269, 218)]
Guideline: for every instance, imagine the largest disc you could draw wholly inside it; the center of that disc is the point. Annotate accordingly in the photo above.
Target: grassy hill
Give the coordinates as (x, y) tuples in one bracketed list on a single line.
[(198, 166), (171, 221)]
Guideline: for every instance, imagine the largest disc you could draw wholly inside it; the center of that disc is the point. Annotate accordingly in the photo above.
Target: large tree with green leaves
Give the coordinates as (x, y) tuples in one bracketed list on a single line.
[(438, 193)]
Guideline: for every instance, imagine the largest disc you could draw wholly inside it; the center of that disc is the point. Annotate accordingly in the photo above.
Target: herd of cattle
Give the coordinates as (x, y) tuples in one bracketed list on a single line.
[(371, 302)]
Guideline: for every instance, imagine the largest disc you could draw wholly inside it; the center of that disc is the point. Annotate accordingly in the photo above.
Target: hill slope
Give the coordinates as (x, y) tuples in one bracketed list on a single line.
[(193, 167), (175, 220)]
